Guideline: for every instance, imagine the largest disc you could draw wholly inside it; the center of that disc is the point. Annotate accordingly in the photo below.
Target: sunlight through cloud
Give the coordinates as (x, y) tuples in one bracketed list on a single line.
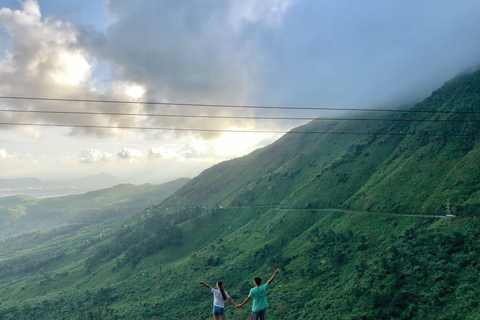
[(238, 143), (135, 92)]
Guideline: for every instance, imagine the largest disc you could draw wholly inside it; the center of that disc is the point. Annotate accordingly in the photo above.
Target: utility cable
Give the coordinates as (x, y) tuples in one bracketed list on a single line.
[(237, 131), (233, 117), (232, 106)]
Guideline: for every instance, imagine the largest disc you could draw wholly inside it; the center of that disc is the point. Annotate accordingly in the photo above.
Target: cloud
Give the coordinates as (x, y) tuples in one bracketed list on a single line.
[(14, 163), (174, 51), (45, 53), (9, 158), (196, 148), (161, 152), (4, 154), (91, 156), (45, 61), (182, 51), (287, 52), (46, 58), (364, 54), (129, 153)]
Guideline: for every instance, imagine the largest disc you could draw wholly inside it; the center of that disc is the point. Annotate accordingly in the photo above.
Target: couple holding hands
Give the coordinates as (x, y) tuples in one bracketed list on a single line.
[(258, 294)]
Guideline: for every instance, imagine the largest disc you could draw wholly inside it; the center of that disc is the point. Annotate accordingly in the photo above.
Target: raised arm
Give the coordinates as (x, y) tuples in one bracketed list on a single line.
[(241, 304), (206, 285), (273, 277)]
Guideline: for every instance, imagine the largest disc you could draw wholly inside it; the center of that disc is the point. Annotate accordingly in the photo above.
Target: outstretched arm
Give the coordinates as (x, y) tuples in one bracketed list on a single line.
[(233, 302), (273, 277), (241, 304), (206, 285)]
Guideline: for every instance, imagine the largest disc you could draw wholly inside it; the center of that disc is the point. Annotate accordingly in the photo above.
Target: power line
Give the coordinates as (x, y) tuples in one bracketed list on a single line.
[(233, 117), (233, 106), (237, 131)]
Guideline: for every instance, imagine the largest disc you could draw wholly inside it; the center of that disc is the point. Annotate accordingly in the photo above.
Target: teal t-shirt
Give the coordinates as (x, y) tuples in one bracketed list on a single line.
[(259, 296)]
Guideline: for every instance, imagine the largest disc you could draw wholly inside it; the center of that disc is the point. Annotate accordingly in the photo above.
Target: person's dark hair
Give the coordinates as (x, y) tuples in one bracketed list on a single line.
[(222, 290), (258, 281)]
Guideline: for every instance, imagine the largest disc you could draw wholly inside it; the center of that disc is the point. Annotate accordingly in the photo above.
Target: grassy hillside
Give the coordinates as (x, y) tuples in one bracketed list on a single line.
[(420, 171), (333, 265), (424, 173)]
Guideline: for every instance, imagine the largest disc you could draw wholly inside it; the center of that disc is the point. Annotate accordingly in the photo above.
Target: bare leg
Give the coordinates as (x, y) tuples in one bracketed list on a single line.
[(215, 316), (222, 317)]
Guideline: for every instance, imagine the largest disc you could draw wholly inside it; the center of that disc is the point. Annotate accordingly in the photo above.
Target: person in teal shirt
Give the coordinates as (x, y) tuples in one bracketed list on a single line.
[(259, 296)]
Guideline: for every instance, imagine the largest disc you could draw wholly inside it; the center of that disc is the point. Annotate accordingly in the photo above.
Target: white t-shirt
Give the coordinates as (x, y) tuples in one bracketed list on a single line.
[(218, 298)]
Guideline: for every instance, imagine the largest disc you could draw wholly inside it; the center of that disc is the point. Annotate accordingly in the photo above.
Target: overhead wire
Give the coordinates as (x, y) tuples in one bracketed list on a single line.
[(238, 131), (233, 106), (233, 117)]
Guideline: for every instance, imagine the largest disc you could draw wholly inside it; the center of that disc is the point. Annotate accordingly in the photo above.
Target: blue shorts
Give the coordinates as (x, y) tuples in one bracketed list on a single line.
[(218, 310)]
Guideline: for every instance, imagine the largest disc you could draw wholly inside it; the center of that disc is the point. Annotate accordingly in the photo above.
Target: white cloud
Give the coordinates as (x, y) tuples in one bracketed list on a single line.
[(4, 154), (94, 156), (47, 59), (45, 53), (196, 148), (161, 152), (129, 153), (7, 157)]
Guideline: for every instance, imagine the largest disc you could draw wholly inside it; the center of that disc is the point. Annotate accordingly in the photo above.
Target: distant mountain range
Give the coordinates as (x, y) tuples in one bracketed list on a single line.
[(34, 187), (24, 214)]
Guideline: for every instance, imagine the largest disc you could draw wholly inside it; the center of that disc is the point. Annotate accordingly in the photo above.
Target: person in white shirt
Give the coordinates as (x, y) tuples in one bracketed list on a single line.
[(219, 298)]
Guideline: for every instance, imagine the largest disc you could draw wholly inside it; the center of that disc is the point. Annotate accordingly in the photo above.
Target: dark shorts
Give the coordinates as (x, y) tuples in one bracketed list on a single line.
[(218, 310), (259, 315)]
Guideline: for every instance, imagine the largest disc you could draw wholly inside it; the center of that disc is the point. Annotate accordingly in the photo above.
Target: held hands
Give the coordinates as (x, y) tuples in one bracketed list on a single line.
[(239, 306), (276, 271)]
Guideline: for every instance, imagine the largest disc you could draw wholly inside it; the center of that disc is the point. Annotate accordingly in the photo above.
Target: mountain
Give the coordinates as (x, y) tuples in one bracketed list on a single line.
[(21, 213), (355, 220), (20, 183), (38, 188), (417, 161)]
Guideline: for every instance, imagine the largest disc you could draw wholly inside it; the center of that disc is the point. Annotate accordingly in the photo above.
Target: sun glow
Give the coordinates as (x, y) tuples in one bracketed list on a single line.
[(239, 143), (71, 69), (135, 91)]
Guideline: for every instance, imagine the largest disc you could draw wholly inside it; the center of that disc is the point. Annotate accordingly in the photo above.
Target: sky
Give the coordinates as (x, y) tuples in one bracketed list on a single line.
[(294, 53)]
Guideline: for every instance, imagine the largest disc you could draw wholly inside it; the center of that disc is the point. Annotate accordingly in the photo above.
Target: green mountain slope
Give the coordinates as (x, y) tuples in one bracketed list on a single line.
[(415, 171), (333, 265), (424, 173), (268, 175)]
